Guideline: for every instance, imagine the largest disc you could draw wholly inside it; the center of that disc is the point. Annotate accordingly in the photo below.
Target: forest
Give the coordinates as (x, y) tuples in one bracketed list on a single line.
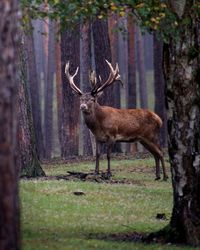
[(140, 59)]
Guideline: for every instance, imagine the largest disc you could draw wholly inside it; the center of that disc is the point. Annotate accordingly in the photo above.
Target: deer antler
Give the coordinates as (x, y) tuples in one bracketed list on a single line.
[(93, 79), (71, 79), (113, 76)]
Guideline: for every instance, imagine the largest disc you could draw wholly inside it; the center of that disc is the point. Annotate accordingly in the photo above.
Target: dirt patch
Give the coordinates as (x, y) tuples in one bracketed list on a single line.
[(147, 238), (80, 176), (133, 236)]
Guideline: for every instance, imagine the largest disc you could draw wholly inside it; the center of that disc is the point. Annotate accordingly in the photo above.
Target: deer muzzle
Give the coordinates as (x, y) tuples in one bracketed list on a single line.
[(83, 107)]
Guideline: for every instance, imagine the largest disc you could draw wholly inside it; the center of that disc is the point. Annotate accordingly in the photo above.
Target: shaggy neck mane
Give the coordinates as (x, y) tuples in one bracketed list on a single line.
[(92, 117)]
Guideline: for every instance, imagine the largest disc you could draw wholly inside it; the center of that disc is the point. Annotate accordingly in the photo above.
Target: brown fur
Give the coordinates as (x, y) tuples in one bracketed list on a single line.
[(111, 125)]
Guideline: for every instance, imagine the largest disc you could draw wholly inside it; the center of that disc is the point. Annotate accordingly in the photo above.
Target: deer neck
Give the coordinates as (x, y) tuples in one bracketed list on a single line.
[(92, 118)]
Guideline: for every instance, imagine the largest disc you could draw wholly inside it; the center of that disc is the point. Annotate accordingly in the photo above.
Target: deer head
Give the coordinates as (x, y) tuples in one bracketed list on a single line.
[(87, 100)]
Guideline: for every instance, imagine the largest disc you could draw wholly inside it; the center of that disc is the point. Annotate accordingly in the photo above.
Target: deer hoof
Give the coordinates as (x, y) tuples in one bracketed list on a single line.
[(157, 178), (165, 178), (96, 173), (108, 175)]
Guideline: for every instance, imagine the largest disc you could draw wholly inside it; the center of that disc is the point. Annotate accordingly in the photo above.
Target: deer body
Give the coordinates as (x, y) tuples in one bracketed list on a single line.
[(122, 125), (110, 125)]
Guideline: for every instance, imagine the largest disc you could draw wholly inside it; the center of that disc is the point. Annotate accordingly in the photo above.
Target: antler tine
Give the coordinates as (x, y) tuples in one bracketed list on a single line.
[(66, 67), (71, 78), (110, 65), (93, 79), (114, 75), (118, 75), (117, 68), (117, 71)]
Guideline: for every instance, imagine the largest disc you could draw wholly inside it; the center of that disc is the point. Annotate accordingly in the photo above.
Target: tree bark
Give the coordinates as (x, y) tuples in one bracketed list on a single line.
[(48, 121), (38, 40), (131, 88), (182, 74), (123, 66), (123, 58), (29, 162), (102, 51), (141, 71), (58, 82), (86, 62), (148, 48), (113, 36), (34, 90), (9, 168), (70, 51), (132, 98), (159, 87)]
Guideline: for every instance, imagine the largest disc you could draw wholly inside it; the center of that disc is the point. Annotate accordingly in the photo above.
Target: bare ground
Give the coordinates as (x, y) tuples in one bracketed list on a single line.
[(80, 176), (102, 177)]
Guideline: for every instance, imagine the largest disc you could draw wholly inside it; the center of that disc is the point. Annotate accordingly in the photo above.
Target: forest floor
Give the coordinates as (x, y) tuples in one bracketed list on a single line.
[(71, 208)]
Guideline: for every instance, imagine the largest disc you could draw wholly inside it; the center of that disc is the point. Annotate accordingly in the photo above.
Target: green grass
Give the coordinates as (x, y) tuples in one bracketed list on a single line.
[(54, 218)]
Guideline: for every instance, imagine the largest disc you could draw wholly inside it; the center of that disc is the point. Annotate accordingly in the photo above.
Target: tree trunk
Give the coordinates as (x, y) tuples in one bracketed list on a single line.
[(70, 51), (123, 58), (9, 168), (48, 121), (29, 163), (58, 83), (45, 44), (131, 88), (102, 51), (141, 71), (159, 87), (38, 35), (85, 83), (148, 48), (123, 66), (38, 40), (132, 98), (113, 35), (182, 73), (34, 91)]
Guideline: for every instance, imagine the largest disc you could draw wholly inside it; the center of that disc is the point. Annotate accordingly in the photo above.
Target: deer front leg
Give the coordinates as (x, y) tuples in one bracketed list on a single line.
[(109, 149), (97, 158)]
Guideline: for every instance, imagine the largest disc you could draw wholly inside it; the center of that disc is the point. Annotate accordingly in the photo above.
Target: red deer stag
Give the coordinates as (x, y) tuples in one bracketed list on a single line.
[(110, 125)]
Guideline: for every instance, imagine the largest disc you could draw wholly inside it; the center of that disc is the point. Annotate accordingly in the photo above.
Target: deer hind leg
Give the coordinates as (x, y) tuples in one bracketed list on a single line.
[(165, 176), (156, 151), (157, 161), (161, 157)]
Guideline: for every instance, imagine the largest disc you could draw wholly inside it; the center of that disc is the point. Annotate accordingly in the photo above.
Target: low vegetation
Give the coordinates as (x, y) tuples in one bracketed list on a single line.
[(95, 214)]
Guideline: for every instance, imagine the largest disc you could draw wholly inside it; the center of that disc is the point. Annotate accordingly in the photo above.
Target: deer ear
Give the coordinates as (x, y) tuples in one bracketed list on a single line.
[(96, 95)]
